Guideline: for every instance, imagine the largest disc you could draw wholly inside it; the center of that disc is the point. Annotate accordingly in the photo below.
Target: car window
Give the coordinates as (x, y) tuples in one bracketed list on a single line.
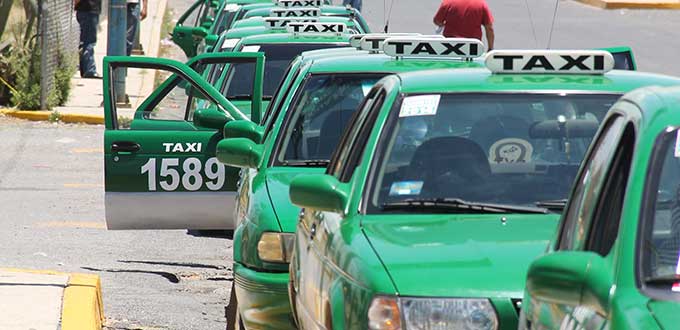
[(607, 216), (587, 187), (319, 114), (278, 58), (516, 149), (660, 244), (341, 154)]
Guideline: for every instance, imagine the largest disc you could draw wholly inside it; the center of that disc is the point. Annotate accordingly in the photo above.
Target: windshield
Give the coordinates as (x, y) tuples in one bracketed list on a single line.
[(239, 83), (319, 113), (509, 149), (661, 244)]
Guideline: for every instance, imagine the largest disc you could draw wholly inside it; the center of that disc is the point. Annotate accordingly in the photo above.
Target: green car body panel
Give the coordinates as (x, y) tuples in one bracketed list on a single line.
[(608, 287), (344, 257), (263, 204), (162, 173)]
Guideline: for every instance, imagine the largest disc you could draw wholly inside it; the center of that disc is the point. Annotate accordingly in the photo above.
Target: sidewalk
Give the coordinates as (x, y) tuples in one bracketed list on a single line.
[(85, 101)]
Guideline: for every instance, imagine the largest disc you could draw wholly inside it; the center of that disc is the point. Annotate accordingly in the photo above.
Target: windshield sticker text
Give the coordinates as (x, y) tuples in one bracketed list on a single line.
[(406, 188), (421, 105), (511, 151)]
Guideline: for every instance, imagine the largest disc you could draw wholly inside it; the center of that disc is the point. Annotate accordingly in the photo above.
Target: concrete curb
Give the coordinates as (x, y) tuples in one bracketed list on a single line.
[(41, 115), (638, 4)]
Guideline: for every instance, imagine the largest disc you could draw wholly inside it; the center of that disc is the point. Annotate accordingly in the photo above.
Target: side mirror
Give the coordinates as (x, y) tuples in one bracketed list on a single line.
[(199, 32), (210, 118), (211, 39), (207, 22), (571, 278), (240, 152), (244, 129), (320, 192)]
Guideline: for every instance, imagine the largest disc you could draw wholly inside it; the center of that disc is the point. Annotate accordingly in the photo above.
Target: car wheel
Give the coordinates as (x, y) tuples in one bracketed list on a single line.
[(234, 321)]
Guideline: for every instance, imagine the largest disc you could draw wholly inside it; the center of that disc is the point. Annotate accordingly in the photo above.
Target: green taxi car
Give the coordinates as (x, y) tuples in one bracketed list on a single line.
[(614, 263), (444, 188), (279, 50), (161, 171), (193, 26), (225, 17), (299, 138)]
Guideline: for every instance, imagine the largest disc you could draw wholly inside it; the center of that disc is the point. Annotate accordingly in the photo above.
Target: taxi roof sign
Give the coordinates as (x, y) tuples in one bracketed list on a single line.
[(433, 47), (299, 3), (317, 28), (296, 12), (373, 42), (280, 23), (550, 61)]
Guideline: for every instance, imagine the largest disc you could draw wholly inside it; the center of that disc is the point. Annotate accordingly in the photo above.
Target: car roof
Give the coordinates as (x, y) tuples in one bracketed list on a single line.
[(365, 62), (482, 80), (280, 38), (659, 106), (247, 2)]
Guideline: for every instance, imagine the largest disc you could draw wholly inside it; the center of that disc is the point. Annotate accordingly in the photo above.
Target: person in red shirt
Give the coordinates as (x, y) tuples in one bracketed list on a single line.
[(465, 18)]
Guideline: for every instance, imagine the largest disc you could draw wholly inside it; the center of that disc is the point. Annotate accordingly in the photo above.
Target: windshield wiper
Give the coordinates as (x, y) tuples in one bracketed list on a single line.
[(307, 163), (240, 97), (457, 204), (661, 280), (553, 205)]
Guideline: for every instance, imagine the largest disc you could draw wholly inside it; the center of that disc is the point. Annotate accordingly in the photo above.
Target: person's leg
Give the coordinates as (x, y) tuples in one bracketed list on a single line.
[(88, 38), (132, 20), (357, 4), (346, 2)]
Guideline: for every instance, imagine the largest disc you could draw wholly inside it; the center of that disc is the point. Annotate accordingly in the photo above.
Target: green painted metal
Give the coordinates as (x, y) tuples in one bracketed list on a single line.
[(319, 192), (244, 129), (239, 152), (615, 291), (432, 255)]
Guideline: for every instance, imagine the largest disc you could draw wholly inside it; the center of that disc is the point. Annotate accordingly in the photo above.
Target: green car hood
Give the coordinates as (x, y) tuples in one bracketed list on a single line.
[(665, 313), (459, 255), (278, 183)]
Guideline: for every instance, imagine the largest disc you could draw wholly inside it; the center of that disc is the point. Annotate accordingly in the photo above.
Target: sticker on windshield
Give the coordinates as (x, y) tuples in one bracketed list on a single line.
[(406, 188), (229, 43), (676, 287), (249, 49), (510, 151), (421, 105), (677, 145)]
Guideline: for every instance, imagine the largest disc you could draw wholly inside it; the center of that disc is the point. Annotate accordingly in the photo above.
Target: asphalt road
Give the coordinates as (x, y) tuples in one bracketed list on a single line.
[(51, 175), (654, 35)]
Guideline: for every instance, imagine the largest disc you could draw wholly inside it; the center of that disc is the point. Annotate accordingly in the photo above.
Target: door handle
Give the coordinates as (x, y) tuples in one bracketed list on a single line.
[(125, 146)]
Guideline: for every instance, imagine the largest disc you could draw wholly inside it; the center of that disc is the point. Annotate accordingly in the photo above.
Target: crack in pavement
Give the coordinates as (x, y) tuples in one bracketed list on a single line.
[(172, 278), (173, 263)]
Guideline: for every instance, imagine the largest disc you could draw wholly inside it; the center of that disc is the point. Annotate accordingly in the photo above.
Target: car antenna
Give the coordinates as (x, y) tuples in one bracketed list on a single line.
[(389, 15), (552, 26), (531, 21)]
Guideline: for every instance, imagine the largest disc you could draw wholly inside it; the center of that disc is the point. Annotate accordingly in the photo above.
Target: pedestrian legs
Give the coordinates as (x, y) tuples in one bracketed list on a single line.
[(88, 22), (132, 23)]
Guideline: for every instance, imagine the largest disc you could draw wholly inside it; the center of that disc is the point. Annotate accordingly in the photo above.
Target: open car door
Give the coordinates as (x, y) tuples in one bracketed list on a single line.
[(161, 172), (193, 26)]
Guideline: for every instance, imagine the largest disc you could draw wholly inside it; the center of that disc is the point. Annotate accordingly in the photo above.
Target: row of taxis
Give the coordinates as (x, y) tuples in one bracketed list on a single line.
[(408, 182)]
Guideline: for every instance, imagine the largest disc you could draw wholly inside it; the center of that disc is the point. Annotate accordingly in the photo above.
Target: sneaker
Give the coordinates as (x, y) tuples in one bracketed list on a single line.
[(91, 76)]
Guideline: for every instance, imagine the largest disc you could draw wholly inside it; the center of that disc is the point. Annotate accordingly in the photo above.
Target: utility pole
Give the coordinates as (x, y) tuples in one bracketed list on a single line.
[(117, 32)]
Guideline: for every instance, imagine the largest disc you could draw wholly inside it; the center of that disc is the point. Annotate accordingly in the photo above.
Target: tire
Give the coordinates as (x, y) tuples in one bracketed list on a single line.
[(234, 321)]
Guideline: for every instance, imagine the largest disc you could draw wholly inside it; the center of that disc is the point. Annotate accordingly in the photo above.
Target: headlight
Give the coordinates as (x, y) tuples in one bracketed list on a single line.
[(275, 247), (432, 314)]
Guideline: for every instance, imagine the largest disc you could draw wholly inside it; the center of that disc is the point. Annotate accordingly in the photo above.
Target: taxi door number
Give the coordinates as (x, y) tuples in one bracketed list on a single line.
[(191, 179)]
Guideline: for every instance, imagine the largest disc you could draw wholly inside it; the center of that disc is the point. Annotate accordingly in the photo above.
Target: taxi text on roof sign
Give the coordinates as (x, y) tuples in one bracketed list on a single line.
[(280, 23), (373, 42), (433, 47), (296, 12), (323, 28), (300, 3), (550, 61)]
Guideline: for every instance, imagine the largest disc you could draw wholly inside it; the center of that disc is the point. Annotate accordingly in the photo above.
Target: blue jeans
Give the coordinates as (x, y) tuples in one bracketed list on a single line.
[(354, 3), (88, 22), (133, 12)]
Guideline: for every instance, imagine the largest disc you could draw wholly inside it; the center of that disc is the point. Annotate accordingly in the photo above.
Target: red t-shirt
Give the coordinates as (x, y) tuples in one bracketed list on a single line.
[(464, 18)]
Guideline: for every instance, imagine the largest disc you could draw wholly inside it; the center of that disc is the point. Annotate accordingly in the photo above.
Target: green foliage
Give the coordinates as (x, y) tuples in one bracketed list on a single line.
[(54, 117)]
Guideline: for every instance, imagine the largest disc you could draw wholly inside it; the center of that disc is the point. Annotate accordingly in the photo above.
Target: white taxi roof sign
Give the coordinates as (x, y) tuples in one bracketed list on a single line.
[(296, 12), (355, 39), (317, 28), (280, 23), (433, 47), (550, 61), (299, 3), (372, 42)]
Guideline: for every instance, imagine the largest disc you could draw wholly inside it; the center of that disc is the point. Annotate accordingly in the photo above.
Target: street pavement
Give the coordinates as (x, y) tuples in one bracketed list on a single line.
[(51, 175)]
